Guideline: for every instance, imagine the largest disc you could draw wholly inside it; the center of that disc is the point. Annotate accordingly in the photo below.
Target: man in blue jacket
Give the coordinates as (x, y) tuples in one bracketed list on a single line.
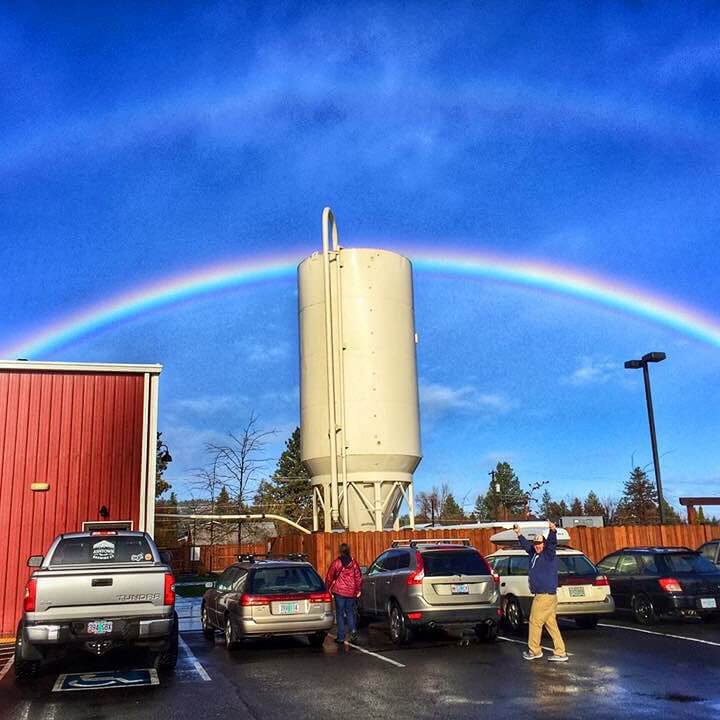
[(543, 577)]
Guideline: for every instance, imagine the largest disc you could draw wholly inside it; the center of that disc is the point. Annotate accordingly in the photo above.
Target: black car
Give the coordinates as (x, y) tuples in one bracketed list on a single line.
[(651, 582)]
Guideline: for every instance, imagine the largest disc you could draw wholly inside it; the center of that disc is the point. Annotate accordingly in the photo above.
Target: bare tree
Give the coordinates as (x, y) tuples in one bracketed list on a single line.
[(239, 464)]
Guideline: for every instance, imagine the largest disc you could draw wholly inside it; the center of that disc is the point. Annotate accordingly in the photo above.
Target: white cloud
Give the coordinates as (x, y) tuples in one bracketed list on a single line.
[(440, 399), (593, 372), (207, 404)]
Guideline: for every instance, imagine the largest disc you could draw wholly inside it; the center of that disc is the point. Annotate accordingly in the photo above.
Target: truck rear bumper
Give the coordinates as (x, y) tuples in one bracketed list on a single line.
[(128, 631)]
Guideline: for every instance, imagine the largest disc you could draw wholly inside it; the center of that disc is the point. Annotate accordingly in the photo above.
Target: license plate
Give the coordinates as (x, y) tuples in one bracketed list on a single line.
[(100, 627), (289, 608), (708, 603), (463, 589), (576, 591)]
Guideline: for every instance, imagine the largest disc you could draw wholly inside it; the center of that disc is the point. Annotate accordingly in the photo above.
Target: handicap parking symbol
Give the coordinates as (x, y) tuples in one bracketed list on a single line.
[(106, 680)]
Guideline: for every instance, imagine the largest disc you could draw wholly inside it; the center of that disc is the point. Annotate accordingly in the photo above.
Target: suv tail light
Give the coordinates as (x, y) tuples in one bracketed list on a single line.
[(321, 597), (495, 577), (169, 594), (601, 581), (30, 598), (417, 577), (247, 600), (670, 585)]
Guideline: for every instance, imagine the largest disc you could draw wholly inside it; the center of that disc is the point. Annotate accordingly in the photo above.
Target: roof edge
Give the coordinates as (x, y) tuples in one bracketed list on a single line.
[(154, 369)]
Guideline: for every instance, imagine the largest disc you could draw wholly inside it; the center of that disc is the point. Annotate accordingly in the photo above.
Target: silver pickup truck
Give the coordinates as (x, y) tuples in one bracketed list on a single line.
[(97, 590)]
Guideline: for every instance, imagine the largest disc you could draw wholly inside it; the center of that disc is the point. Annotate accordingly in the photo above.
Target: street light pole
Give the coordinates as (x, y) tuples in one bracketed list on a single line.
[(643, 363)]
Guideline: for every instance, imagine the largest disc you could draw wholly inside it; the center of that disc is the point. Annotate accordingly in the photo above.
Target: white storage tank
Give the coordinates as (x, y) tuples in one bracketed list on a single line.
[(372, 374)]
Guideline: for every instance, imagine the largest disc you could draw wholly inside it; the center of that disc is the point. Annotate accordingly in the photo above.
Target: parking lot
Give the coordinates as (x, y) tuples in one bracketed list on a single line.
[(615, 670)]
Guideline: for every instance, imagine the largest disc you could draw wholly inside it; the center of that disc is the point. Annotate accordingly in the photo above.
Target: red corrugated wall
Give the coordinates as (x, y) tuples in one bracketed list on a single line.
[(83, 434)]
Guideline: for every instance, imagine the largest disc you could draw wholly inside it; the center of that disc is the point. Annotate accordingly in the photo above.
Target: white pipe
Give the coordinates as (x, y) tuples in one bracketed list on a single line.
[(327, 218), (261, 516)]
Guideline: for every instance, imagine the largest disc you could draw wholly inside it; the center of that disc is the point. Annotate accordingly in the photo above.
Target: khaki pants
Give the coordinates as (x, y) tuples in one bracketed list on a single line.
[(542, 614)]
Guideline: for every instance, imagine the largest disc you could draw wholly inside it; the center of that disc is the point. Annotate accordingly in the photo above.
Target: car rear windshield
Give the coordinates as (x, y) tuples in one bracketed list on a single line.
[(575, 565), (282, 580), (102, 550), (688, 562), (439, 563)]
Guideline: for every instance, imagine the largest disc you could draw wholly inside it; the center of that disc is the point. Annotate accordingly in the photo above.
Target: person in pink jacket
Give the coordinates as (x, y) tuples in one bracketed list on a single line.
[(344, 581)]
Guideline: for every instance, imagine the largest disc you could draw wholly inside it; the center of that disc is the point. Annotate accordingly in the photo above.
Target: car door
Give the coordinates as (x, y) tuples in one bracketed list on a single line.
[(224, 587), (517, 583), (623, 581), (374, 573), (383, 584), (211, 598)]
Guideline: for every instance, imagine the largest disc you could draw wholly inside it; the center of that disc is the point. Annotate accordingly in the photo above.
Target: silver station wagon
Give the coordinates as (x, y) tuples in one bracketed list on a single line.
[(259, 597)]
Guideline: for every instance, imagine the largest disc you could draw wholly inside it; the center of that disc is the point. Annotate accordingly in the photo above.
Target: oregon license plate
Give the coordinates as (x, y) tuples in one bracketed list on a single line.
[(577, 591), (100, 627), (463, 589), (708, 603), (289, 608)]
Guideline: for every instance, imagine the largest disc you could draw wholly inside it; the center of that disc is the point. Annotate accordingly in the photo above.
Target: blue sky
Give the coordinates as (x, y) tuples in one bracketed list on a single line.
[(141, 142)]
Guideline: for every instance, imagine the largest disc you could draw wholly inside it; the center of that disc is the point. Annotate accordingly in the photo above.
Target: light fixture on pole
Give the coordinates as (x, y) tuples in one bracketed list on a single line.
[(653, 357)]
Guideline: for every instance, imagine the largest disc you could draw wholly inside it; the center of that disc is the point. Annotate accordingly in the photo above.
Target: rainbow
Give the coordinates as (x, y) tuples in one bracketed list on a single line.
[(551, 278)]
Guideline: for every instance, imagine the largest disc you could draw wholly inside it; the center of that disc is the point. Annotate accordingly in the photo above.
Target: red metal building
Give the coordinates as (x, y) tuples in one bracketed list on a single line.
[(77, 443)]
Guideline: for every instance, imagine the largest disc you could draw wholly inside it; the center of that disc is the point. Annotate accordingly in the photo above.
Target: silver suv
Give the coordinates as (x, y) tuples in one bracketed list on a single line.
[(262, 597), (432, 583)]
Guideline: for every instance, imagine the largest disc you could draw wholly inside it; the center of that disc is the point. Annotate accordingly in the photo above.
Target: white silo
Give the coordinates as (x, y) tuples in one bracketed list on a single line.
[(358, 376)]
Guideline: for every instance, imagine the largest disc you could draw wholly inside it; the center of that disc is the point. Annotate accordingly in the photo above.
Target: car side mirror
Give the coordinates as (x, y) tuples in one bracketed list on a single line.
[(35, 561)]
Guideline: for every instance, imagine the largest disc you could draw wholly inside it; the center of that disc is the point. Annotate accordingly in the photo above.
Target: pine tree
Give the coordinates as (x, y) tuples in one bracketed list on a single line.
[(451, 511), (504, 495), (546, 505), (480, 512), (288, 492), (592, 505), (700, 517), (638, 505), (576, 507)]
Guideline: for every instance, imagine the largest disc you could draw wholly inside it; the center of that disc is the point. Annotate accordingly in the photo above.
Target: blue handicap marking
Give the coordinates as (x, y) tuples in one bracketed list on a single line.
[(106, 680)]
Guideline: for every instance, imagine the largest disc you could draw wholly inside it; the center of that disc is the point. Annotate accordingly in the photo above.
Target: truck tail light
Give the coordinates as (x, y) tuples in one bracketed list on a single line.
[(169, 594), (601, 581), (417, 577), (670, 585), (321, 597), (30, 598), (247, 600)]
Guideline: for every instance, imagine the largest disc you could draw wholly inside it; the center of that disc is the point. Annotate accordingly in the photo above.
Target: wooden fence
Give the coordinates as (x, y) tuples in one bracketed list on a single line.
[(322, 548)]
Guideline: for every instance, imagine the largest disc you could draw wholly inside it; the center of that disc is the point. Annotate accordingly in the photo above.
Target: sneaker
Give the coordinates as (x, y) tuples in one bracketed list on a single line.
[(353, 637), (529, 656), (558, 658), (339, 641)]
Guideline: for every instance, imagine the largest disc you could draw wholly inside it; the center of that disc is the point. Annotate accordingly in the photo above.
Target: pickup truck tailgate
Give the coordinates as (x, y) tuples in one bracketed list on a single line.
[(69, 594)]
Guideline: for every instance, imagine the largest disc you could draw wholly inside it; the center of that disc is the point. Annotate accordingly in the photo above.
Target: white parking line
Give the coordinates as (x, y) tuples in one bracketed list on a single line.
[(661, 634), (524, 642), (376, 655), (201, 671), (7, 667)]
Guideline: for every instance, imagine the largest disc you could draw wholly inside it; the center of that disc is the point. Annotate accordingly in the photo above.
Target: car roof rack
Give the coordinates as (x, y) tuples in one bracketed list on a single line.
[(465, 542), (660, 548), (265, 557)]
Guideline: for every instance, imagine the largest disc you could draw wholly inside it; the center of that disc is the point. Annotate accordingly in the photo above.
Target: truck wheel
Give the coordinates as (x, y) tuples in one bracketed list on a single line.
[(207, 629), (400, 633), (167, 659), (24, 669)]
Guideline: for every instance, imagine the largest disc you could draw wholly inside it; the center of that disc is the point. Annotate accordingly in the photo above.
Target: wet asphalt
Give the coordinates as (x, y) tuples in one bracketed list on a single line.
[(613, 672)]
